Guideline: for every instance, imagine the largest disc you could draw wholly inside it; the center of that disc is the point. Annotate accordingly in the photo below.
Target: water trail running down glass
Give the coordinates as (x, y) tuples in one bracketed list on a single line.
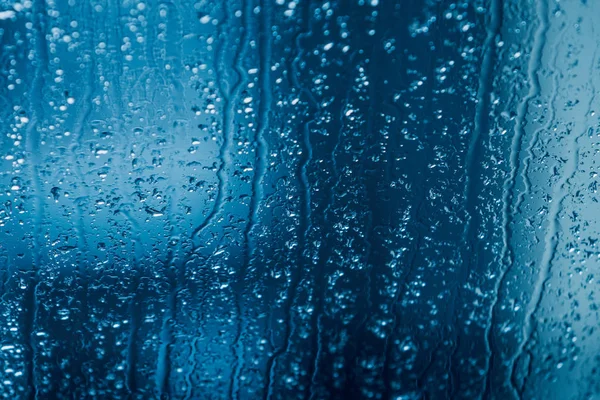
[(299, 199)]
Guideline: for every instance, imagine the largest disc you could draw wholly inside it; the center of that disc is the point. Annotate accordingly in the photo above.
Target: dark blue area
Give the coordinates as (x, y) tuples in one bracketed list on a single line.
[(298, 199)]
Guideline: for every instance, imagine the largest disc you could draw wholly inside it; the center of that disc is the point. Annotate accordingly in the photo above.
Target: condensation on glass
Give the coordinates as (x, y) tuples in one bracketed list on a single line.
[(299, 199)]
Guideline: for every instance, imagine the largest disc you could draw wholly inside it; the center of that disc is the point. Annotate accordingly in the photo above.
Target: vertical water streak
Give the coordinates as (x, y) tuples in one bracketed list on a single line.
[(533, 69), (229, 103), (175, 265), (175, 270), (480, 128), (33, 142), (260, 160), (325, 250), (551, 239), (304, 199), (535, 138), (76, 148)]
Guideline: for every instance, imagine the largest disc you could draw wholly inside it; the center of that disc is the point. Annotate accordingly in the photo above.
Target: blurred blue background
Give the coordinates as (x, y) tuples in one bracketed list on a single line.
[(299, 199)]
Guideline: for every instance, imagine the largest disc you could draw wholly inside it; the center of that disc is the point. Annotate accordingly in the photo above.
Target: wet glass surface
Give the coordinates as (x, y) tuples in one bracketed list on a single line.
[(299, 199)]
